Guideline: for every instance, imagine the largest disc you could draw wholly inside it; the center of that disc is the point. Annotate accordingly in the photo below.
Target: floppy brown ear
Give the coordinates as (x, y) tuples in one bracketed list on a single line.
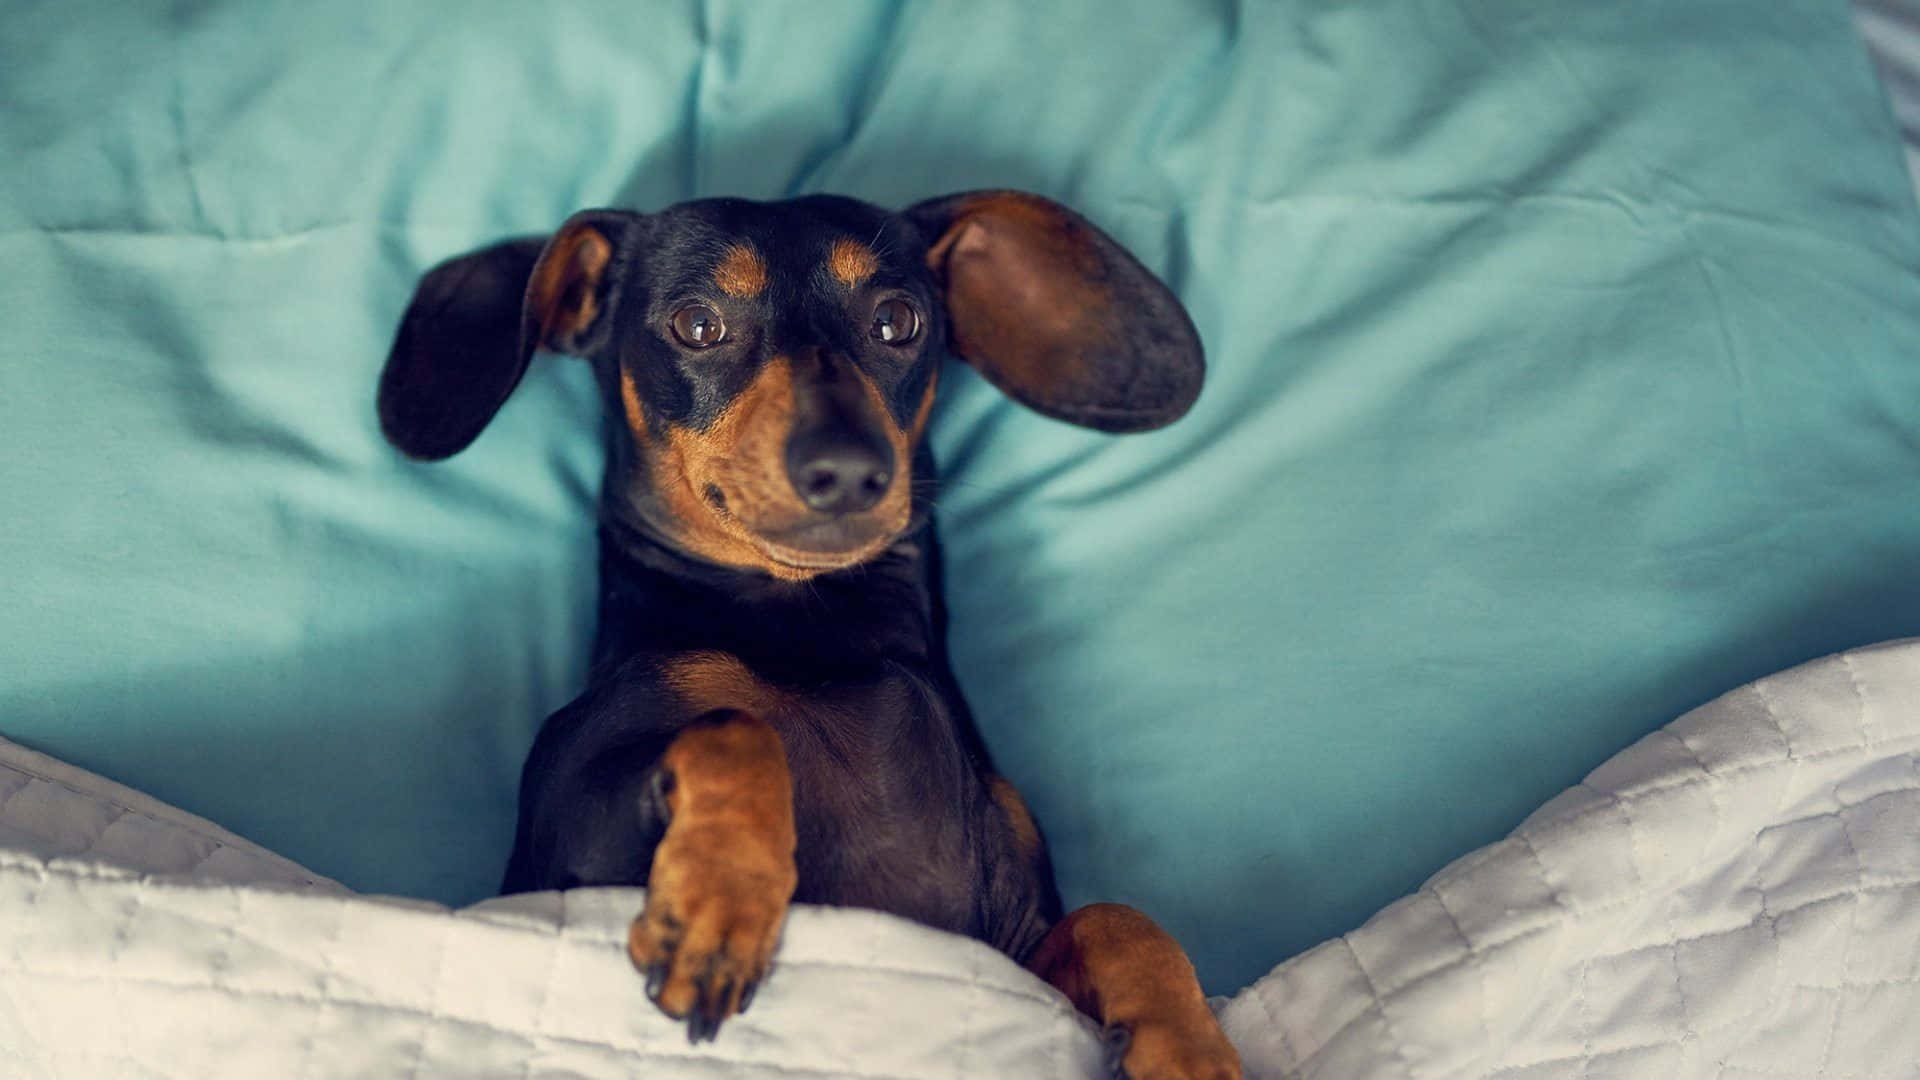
[(1057, 314), (475, 321)]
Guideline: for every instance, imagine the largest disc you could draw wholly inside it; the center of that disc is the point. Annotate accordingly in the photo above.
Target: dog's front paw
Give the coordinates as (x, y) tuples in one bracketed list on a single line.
[(1163, 1050), (715, 902)]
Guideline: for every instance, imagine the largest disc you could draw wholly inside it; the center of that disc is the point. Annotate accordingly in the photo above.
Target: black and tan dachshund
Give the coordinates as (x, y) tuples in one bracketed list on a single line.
[(770, 714)]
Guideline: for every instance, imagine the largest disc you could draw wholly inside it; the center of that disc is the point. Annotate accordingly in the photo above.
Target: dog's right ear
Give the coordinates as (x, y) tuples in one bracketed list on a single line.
[(476, 320)]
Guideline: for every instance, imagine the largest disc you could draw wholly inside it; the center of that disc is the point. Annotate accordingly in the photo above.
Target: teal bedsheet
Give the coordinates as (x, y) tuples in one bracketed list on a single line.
[(1565, 372)]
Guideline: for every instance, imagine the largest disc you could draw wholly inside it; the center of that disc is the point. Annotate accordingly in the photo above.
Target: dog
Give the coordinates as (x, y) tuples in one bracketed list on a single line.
[(770, 715)]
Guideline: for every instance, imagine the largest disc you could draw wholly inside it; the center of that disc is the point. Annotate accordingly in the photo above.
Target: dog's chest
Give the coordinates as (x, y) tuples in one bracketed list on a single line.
[(886, 799)]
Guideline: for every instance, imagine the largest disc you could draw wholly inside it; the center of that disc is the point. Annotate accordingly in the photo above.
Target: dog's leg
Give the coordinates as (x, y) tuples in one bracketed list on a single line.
[(1124, 971), (723, 873)]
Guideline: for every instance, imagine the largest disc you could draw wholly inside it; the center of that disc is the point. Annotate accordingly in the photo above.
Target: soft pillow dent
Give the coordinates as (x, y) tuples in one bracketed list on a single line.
[(1562, 376)]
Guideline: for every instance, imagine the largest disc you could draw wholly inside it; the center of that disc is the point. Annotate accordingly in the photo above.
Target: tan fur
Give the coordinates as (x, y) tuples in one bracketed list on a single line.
[(630, 399), (851, 262), (1026, 834), (743, 455), (707, 680), (1121, 969), (742, 273), (925, 410), (563, 290), (724, 872), (897, 505)]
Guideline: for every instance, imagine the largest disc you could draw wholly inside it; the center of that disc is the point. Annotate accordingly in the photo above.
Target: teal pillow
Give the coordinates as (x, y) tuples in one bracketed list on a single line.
[(1562, 376)]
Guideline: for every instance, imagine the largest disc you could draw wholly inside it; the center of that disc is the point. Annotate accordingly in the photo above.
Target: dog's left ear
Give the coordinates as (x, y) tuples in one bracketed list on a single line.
[(1057, 314)]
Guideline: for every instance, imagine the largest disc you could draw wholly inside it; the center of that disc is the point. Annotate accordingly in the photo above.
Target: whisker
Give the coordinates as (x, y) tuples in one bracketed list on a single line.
[(991, 489)]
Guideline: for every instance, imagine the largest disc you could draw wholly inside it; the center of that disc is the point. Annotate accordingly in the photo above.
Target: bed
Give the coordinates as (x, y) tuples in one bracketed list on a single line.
[(1560, 381)]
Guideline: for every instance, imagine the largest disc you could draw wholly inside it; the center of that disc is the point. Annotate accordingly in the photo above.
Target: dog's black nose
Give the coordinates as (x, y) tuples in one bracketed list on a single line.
[(836, 473)]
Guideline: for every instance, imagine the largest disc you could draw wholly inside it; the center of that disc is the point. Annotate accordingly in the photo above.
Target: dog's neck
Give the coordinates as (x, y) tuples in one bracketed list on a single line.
[(655, 597)]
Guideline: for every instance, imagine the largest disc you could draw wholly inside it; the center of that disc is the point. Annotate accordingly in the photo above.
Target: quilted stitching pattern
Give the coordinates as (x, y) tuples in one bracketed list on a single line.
[(1737, 895), (261, 981), (49, 808)]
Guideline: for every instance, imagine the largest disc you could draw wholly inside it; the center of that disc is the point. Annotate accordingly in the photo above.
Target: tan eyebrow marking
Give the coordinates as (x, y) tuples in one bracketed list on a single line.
[(742, 272), (851, 262)]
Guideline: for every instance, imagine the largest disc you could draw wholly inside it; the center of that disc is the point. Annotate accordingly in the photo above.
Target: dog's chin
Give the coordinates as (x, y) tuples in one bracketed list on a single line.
[(824, 546)]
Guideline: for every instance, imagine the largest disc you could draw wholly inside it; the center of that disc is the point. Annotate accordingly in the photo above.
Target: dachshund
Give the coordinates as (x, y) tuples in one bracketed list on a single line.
[(770, 714)]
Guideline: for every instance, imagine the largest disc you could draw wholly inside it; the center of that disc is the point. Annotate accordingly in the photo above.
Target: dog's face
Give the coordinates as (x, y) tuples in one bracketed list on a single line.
[(773, 365)]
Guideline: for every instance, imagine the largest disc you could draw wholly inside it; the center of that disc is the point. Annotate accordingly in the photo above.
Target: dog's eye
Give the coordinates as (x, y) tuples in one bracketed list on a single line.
[(698, 326), (895, 322)]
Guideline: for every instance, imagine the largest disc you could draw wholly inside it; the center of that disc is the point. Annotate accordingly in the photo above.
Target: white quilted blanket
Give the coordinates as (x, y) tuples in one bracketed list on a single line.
[(1738, 895)]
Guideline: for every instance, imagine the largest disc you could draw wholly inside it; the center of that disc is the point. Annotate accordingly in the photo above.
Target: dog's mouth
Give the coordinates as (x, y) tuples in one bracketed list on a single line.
[(809, 546), (829, 545)]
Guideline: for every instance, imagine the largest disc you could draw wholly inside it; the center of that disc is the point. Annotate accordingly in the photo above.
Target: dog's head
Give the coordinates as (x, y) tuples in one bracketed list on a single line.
[(773, 364)]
